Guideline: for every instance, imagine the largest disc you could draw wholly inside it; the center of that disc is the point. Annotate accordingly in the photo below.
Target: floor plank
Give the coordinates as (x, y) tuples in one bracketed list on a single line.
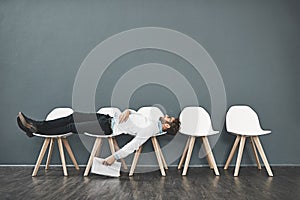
[(200, 183)]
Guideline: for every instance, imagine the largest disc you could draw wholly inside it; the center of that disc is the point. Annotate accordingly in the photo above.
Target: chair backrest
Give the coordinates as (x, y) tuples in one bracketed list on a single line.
[(195, 120), (153, 113), (58, 113), (109, 111), (241, 119)]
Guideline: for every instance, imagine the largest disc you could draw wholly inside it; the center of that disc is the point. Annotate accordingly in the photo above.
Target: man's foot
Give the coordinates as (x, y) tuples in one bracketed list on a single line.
[(27, 123), (26, 130)]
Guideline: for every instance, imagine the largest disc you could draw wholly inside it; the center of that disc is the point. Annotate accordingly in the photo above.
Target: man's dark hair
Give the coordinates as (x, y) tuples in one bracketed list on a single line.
[(174, 127)]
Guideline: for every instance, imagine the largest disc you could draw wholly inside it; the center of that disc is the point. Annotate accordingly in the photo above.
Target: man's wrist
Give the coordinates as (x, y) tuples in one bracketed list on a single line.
[(116, 156)]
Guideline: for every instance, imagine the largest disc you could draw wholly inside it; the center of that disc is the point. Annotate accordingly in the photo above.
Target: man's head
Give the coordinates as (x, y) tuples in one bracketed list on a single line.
[(170, 124)]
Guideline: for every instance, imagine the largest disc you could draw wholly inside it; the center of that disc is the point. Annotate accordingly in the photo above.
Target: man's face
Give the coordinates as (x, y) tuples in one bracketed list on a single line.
[(166, 119)]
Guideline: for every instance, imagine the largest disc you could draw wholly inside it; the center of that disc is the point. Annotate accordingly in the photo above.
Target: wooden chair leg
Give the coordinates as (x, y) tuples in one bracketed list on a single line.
[(184, 153), (99, 149), (162, 156), (135, 159), (209, 162), (49, 153), (211, 166), (70, 152), (41, 155), (240, 155), (111, 145), (159, 159), (255, 153), (62, 156), (96, 147), (262, 154), (117, 148), (210, 155), (189, 154), (234, 147)]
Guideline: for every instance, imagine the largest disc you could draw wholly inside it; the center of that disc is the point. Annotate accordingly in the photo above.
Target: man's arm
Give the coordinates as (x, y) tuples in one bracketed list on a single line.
[(123, 117), (129, 148)]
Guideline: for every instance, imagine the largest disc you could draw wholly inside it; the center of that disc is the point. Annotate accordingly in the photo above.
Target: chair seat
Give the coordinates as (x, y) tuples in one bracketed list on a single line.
[(52, 136), (201, 134), (256, 133), (113, 135), (159, 134), (101, 136)]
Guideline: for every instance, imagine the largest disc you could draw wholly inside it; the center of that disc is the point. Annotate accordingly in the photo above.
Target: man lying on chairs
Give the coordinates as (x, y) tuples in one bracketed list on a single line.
[(130, 122)]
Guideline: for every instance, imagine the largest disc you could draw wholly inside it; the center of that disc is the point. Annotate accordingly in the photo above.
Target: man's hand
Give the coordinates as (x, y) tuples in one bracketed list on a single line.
[(109, 160), (123, 117)]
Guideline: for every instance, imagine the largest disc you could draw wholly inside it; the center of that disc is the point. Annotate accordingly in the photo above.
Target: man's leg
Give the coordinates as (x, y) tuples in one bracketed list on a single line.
[(86, 122), (62, 123), (93, 127), (77, 117)]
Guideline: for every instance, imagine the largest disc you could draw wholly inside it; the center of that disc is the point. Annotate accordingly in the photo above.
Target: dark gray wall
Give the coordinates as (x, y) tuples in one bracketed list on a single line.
[(255, 45)]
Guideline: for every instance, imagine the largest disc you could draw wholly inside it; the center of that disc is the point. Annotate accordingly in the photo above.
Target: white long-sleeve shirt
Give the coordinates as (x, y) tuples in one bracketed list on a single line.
[(136, 125)]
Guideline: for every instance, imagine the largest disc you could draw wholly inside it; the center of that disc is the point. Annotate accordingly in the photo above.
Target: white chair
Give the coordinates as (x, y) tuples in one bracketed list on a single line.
[(61, 139), (196, 122), (113, 145), (244, 122), (153, 113)]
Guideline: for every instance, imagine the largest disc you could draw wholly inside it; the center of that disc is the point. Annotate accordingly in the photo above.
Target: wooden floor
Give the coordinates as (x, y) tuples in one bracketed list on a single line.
[(200, 183)]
